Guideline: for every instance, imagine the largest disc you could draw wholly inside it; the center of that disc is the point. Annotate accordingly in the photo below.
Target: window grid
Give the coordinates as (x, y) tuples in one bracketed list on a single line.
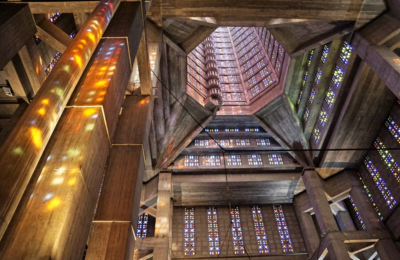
[(211, 129), (275, 159), (393, 128), (267, 81), (357, 213), (371, 198), (278, 65), (213, 236), (264, 72), (263, 142), (251, 129), (380, 183), (201, 143), (312, 96), (255, 90), (316, 134), (346, 52), (143, 220), (324, 55), (233, 160), (242, 142), (283, 230), (387, 159), (306, 114), (337, 76), (189, 244), (191, 160), (260, 231), (225, 142), (318, 75), (231, 129), (212, 160), (237, 234), (254, 159), (330, 98), (323, 117)]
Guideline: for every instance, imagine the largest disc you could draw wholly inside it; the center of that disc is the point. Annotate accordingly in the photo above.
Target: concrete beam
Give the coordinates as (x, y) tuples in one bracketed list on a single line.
[(53, 35), (18, 80), (80, 19), (199, 35)]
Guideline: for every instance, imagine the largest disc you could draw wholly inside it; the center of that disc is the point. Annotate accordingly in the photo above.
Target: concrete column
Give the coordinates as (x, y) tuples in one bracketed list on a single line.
[(308, 229), (364, 205), (164, 218), (117, 213), (80, 19), (337, 250), (322, 210), (13, 72), (12, 122), (387, 249), (344, 221), (24, 147)]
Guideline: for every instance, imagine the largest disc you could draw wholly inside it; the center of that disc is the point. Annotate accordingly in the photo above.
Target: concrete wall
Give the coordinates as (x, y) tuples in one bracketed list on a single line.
[(225, 235)]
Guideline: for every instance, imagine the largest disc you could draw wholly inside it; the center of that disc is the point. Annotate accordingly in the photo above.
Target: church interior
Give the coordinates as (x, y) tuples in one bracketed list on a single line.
[(200, 129)]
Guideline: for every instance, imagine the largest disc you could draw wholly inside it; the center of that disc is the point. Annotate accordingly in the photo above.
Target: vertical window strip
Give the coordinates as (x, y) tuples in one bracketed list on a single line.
[(393, 128), (237, 234), (260, 231), (143, 220), (325, 53), (189, 245), (380, 183), (346, 52), (387, 159), (357, 213), (283, 230), (370, 198), (213, 236)]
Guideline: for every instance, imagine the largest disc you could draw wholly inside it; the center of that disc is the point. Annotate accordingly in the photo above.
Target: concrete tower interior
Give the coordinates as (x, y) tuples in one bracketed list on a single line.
[(200, 129)]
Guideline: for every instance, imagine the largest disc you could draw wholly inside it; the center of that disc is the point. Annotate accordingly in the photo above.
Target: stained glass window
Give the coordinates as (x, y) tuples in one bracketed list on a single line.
[(212, 160), (310, 57), (283, 230), (330, 98), (371, 198), (201, 142), (143, 220), (242, 142), (387, 159), (281, 51), (267, 81), (300, 96), (278, 65), (191, 160), (261, 64), (312, 96), (213, 236), (54, 17), (275, 159), (346, 52), (252, 81), (393, 128), (316, 134), (233, 160), (306, 114), (263, 142), (303, 82), (357, 213), (249, 73), (323, 117), (254, 159), (380, 183), (53, 62), (237, 234), (231, 129), (236, 97), (225, 142), (337, 76), (318, 75), (251, 129), (264, 72), (188, 232), (255, 90), (211, 129), (260, 231), (324, 55)]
